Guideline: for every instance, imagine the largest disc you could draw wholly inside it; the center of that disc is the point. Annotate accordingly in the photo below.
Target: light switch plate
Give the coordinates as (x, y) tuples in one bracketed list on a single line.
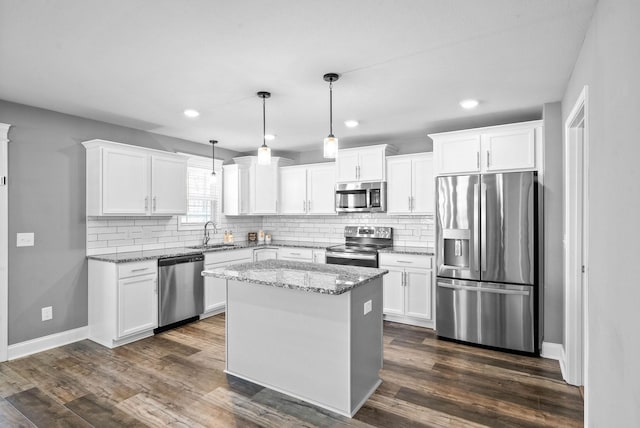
[(47, 313), (25, 239), (367, 307)]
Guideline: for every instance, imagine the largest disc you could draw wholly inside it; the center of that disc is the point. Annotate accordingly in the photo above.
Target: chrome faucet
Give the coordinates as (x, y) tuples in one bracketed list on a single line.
[(206, 237)]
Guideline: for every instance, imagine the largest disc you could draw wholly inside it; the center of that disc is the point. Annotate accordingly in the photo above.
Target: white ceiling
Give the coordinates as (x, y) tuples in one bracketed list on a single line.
[(404, 65)]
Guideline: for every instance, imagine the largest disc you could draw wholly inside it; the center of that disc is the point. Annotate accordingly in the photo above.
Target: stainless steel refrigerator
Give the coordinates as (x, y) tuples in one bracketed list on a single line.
[(487, 260)]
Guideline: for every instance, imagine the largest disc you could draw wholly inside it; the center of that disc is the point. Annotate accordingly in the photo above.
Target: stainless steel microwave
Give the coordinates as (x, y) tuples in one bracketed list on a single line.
[(361, 197)]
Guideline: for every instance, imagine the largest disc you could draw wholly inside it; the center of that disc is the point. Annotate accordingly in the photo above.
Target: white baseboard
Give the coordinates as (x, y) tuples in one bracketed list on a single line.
[(44, 343), (553, 351)]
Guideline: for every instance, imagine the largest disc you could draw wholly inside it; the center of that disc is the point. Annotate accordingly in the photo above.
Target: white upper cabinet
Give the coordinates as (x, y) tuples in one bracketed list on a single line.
[(168, 185), (363, 163), (308, 189), (252, 188), (236, 189), (410, 184), (130, 180), (513, 147)]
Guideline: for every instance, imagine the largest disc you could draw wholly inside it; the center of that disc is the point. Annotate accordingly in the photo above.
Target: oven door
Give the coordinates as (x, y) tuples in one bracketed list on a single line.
[(352, 259)]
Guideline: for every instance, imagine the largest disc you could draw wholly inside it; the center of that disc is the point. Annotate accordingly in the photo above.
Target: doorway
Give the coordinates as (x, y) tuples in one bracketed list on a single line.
[(576, 243)]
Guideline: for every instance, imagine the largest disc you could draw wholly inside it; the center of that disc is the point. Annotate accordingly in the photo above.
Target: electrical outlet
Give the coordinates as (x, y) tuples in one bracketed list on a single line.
[(367, 307), (25, 239), (47, 313)]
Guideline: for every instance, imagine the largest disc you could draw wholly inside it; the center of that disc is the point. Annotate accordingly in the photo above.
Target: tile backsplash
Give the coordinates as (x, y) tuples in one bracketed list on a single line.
[(121, 234)]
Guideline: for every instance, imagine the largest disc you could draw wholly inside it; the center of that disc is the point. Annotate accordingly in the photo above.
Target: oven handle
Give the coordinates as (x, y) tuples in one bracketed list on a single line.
[(353, 256)]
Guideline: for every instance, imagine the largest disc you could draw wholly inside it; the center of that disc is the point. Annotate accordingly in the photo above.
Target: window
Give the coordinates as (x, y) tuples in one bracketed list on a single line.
[(203, 198)]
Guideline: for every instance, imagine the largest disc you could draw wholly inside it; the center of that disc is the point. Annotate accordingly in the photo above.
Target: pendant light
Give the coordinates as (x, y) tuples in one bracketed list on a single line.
[(331, 142), (213, 178), (264, 152)]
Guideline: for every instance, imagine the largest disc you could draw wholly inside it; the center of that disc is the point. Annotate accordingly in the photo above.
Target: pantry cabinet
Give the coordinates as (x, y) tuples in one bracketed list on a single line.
[(410, 184), (408, 288), (123, 301), (134, 181), (308, 189), (363, 163), (513, 147)]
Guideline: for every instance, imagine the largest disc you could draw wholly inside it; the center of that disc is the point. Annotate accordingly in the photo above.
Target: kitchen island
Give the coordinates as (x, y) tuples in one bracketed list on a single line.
[(311, 331)]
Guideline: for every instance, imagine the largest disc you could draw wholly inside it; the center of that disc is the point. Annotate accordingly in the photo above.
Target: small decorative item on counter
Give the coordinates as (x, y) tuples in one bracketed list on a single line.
[(252, 236), (225, 239), (261, 236), (230, 237), (267, 238)]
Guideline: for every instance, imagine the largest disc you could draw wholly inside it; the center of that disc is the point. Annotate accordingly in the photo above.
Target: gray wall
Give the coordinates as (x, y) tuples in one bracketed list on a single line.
[(47, 196), (553, 182), (609, 63)]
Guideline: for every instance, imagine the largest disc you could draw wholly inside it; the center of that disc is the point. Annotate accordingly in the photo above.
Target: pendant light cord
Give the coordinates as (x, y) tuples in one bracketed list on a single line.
[(331, 108), (264, 123)]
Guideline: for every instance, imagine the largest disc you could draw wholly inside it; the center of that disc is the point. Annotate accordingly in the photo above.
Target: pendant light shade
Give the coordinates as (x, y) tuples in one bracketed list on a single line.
[(264, 152), (213, 178), (331, 141)]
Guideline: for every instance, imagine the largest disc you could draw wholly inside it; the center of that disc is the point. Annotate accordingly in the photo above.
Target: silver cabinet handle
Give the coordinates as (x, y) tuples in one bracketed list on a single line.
[(404, 261), (478, 160), (488, 159), (154, 203), (304, 206), (295, 254), (309, 206), (409, 203), (138, 270), (146, 202)]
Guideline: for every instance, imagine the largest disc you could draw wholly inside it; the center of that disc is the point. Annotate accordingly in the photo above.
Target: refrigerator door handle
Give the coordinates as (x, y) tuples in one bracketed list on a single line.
[(476, 240), (483, 222), (484, 290)]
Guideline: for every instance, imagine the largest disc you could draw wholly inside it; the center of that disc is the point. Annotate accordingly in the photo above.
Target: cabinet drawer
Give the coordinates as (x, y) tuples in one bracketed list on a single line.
[(303, 254), (127, 270), (405, 260), (224, 256)]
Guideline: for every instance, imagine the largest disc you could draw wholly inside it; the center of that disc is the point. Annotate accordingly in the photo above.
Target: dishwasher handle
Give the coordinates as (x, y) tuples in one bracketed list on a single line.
[(190, 258)]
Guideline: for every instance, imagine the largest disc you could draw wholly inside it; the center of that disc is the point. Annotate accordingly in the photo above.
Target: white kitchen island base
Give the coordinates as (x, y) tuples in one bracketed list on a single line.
[(320, 348)]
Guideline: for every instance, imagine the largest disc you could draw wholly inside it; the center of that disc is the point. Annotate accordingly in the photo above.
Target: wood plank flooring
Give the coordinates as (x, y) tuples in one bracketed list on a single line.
[(176, 378)]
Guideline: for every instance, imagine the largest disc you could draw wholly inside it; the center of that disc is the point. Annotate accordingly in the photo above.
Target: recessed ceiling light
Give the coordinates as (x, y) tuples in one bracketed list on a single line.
[(469, 104), (269, 137), (191, 113), (351, 123)]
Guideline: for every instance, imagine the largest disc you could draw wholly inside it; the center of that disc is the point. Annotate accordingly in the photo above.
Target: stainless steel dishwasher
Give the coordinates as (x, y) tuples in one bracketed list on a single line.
[(181, 290)]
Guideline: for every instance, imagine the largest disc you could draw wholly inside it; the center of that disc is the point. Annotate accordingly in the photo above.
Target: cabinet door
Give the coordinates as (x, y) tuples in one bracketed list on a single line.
[(215, 290), (347, 165), (137, 304), (371, 164), (393, 292), (293, 190), (398, 185), (265, 189), (168, 185), (422, 185), (125, 182), (418, 293), (321, 187), (265, 254), (457, 155), (509, 150)]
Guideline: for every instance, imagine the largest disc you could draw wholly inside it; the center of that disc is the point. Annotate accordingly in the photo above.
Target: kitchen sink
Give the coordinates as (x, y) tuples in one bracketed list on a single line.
[(213, 246)]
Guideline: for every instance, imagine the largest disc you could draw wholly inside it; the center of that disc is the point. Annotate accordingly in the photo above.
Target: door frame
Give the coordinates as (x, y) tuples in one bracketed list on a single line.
[(4, 241), (576, 243)]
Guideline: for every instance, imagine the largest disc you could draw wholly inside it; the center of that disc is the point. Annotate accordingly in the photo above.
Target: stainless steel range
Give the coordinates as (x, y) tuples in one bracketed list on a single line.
[(361, 246)]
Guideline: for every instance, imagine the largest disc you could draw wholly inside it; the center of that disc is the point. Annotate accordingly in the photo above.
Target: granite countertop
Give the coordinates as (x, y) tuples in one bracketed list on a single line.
[(137, 256), (313, 277), (401, 249)]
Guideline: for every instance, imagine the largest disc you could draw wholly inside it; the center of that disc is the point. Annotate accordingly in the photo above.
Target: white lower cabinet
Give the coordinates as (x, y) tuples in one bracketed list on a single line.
[(260, 254), (408, 288), (123, 301), (295, 254), (215, 289)]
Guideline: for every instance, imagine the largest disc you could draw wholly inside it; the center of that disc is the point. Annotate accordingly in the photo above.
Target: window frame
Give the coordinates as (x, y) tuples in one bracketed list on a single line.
[(195, 161)]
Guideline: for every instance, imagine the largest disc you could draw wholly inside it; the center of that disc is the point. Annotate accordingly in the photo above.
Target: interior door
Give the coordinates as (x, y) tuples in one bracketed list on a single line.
[(508, 227)]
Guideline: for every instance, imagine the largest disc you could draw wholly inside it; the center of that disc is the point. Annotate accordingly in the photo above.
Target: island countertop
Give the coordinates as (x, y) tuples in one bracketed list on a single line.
[(313, 277)]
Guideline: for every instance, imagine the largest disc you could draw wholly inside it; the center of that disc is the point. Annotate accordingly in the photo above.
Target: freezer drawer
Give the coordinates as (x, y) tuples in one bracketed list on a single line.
[(499, 315)]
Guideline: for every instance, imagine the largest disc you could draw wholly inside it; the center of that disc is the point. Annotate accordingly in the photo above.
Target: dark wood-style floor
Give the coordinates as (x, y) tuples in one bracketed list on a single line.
[(176, 379)]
